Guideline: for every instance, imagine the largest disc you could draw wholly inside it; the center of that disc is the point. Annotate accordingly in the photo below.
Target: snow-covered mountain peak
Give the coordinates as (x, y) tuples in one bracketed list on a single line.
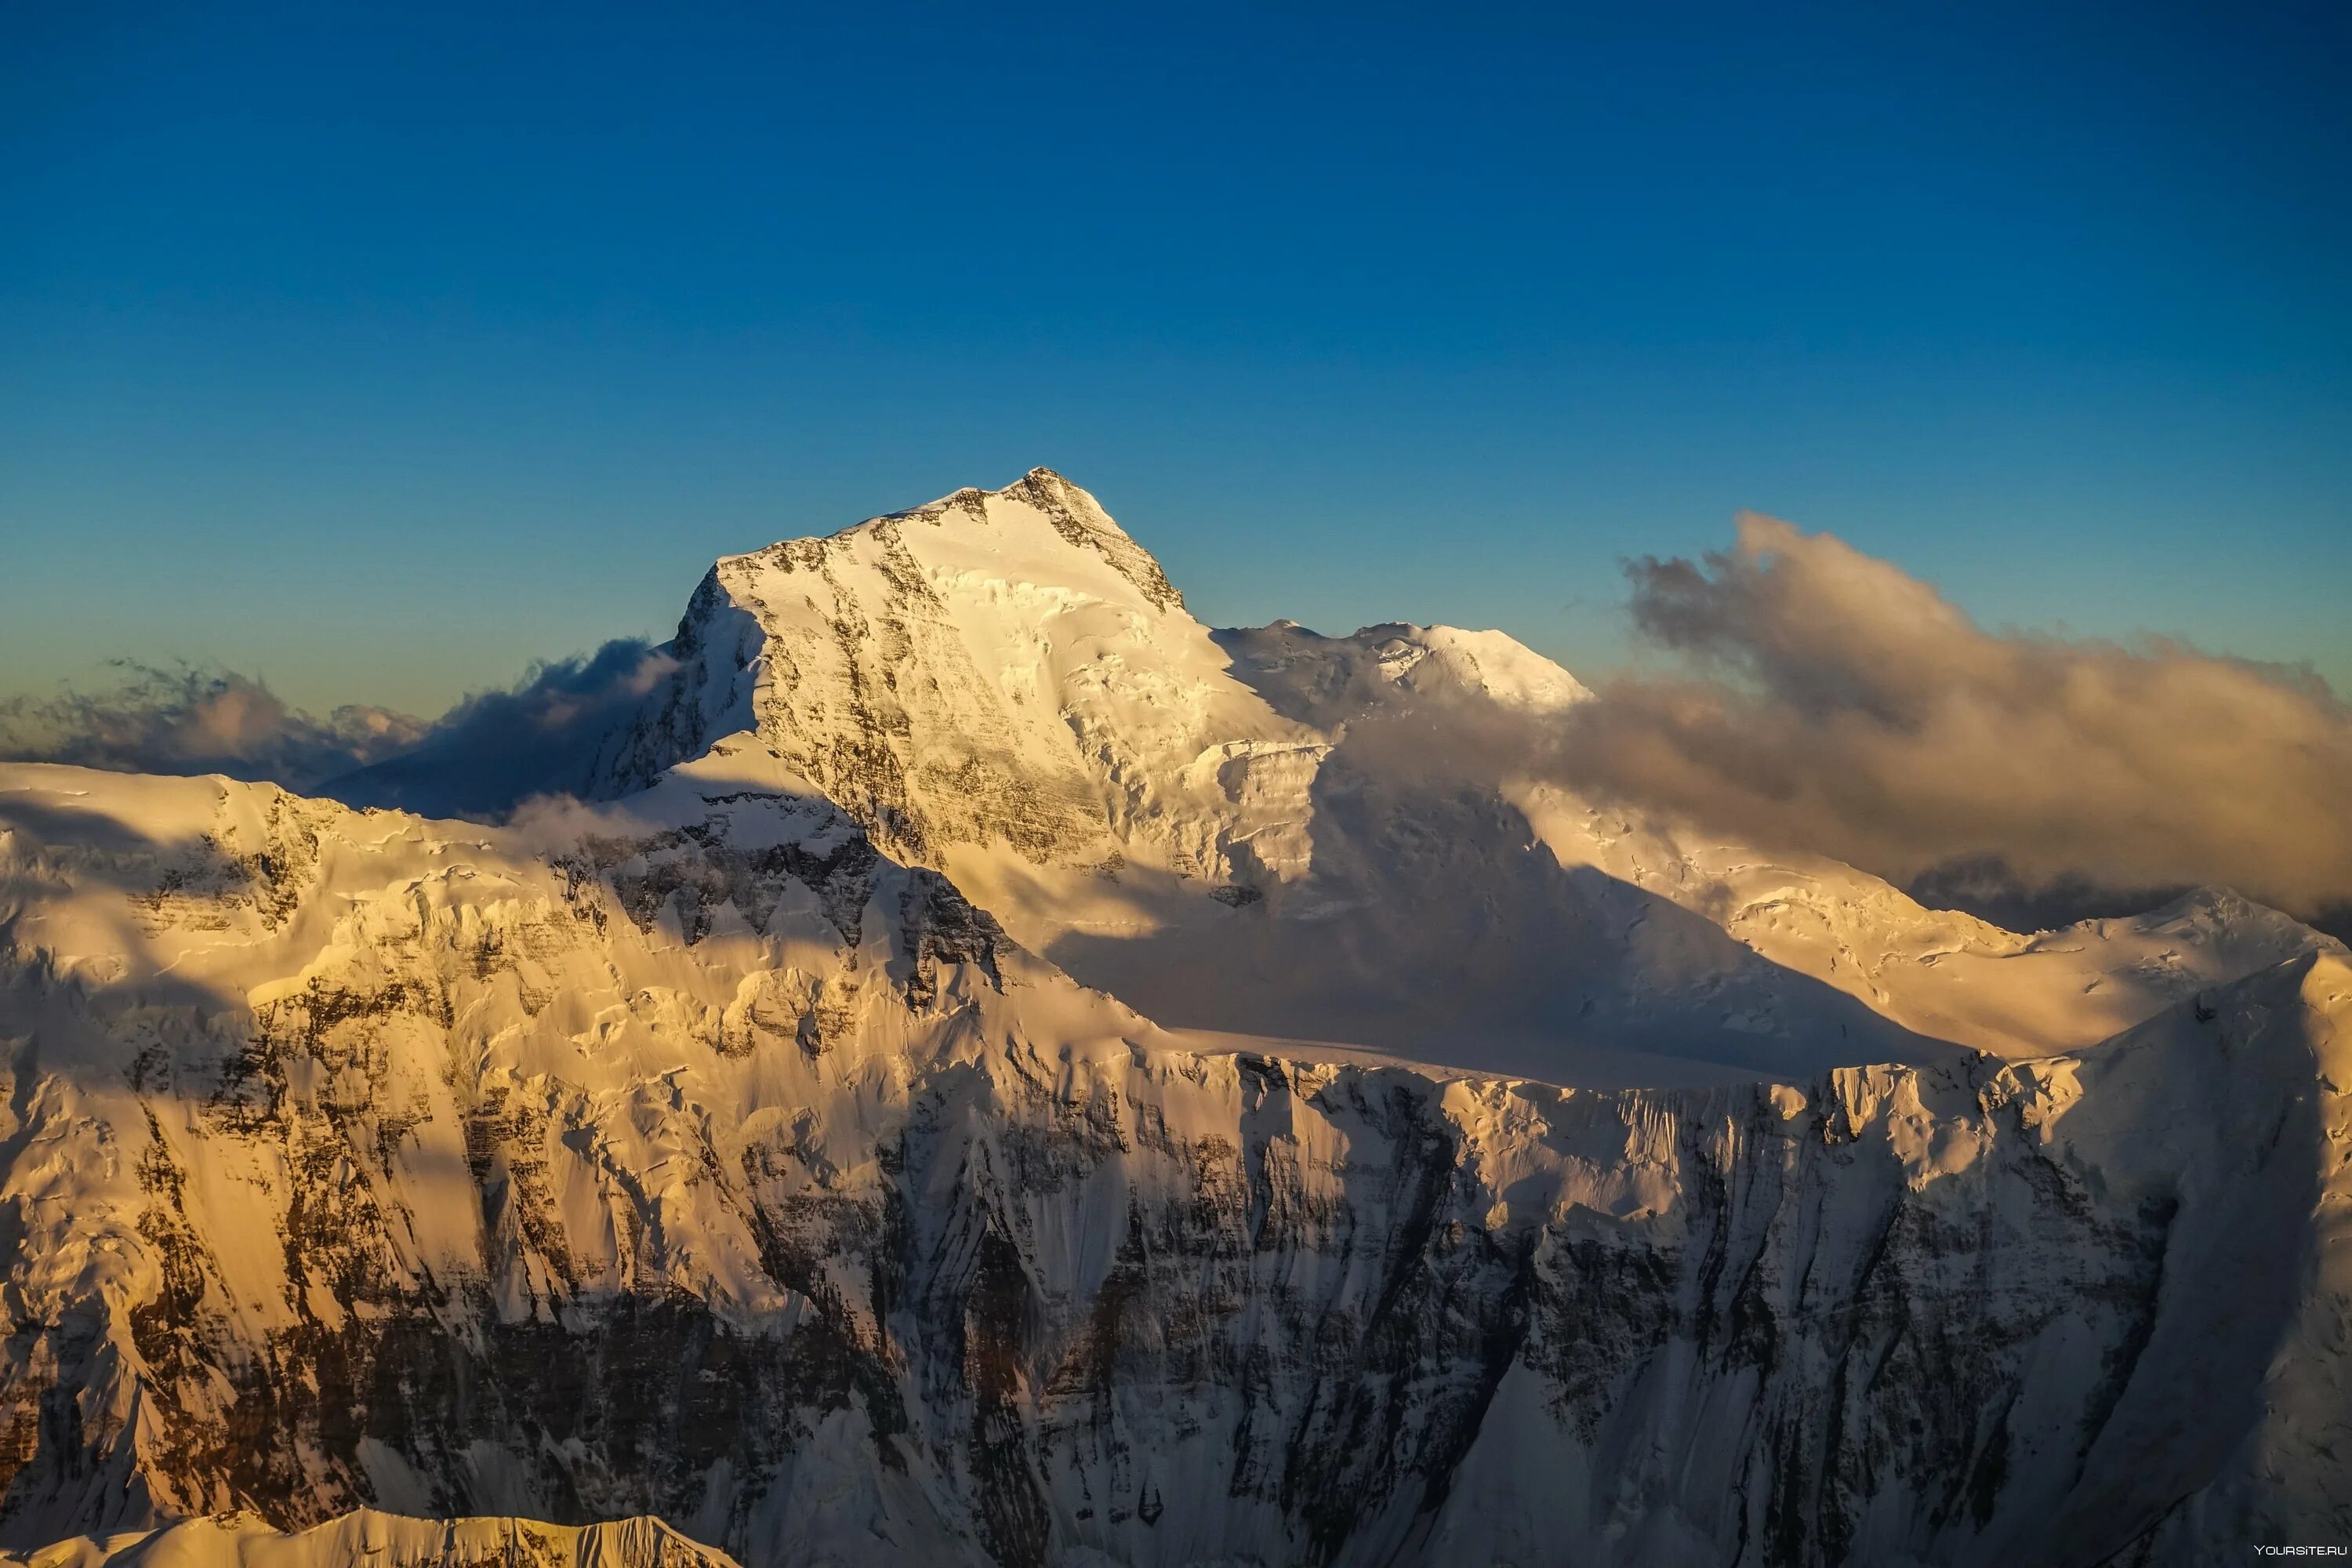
[(2211, 912), (1000, 671), (1041, 529), (1328, 680), (1008, 669)]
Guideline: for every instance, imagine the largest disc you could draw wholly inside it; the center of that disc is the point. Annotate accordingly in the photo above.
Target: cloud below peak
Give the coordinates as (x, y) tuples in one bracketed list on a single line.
[(1830, 702), (192, 721), (488, 751)]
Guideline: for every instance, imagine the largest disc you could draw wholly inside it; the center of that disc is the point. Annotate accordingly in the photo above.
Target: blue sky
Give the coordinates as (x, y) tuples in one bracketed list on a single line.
[(379, 350)]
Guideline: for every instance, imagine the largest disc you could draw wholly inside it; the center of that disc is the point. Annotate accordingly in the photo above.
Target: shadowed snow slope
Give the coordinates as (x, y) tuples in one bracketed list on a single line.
[(693, 1157)]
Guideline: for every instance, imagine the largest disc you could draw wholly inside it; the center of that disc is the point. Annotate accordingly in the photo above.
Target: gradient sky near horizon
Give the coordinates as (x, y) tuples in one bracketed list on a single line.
[(380, 349)]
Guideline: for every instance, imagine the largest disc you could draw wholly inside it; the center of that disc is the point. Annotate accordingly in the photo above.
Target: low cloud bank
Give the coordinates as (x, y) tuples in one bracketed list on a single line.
[(190, 721), (483, 756), (496, 749), (1831, 702)]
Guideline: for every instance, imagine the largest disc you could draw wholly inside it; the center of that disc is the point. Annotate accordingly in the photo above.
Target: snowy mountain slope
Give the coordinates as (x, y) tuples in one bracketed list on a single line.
[(689, 1157), (296, 1088), (1328, 682), (367, 1539), (1940, 972), (1003, 686)]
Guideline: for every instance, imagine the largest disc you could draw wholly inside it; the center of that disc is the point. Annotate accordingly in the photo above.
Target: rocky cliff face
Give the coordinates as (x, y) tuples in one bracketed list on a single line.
[(696, 1156)]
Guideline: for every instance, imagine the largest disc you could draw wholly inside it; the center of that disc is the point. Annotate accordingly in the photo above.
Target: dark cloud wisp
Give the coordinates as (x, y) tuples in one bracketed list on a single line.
[(481, 758), (497, 749), (191, 720)]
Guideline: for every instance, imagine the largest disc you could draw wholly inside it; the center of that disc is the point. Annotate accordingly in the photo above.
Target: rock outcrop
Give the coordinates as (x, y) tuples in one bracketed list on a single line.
[(367, 1539)]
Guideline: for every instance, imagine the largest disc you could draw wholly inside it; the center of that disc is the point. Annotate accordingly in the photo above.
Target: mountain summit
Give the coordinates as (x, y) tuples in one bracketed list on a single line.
[(999, 666)]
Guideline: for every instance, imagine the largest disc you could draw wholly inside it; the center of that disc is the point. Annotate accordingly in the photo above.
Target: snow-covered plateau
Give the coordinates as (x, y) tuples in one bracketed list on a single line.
[(944, 1083)]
